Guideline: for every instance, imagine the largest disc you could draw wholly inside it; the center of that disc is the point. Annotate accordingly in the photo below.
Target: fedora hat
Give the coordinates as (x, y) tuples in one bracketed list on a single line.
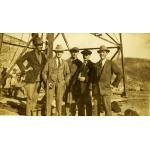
[(103, 48), (74, 49), (86, 52), (59, 48)]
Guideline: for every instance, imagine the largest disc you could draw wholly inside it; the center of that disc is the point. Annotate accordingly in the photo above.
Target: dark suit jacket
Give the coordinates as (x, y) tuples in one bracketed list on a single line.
[(72, 88), (101, 77), (74, 68), (32, 61), (85, 71)]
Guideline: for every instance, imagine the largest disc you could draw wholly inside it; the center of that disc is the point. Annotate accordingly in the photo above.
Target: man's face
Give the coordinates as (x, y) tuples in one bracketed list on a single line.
[(39, 47), (86, 57), (74, 54), (59, 54), (103, 54)]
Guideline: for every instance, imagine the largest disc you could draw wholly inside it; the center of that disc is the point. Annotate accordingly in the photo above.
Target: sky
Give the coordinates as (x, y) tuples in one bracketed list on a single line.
[(136, 45)]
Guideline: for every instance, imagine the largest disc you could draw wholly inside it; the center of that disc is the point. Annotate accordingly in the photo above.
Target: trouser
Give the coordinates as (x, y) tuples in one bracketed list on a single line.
[(57, 91), (106, 102), (71, 103), (32, 91), (71, 109), (84, 100), (85, 104), (82, 107)]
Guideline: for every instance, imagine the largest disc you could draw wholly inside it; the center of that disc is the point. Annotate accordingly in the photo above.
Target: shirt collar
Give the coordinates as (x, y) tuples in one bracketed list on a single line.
[(103, 61)]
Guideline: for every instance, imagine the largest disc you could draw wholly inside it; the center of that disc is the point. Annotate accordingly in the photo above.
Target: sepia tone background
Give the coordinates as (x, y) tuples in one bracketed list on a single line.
[(136, 50)]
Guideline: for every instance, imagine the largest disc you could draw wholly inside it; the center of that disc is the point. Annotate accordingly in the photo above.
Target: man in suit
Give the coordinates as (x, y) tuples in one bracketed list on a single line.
[(72, 89), (57, 72), (102, 77), (32, 63), (84, 85)]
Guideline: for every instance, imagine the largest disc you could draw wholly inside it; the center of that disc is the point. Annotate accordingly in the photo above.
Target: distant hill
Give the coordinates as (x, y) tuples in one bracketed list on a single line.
[(137, 72)]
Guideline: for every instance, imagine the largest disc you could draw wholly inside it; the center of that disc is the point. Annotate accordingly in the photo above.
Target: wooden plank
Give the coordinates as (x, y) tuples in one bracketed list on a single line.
[(50, 38), (122, 62), (1, 41)]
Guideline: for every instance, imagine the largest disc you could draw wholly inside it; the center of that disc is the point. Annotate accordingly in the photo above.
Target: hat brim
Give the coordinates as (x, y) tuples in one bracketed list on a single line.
[(74, 51), (86, 53), (58, 51), (106, 50)]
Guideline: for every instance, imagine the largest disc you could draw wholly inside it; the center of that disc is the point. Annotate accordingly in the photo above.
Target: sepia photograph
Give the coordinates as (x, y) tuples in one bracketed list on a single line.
[(74, 74)]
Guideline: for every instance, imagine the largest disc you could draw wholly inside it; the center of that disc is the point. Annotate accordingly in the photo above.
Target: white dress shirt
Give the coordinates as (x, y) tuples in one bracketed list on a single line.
[(57, 61), (103, 62)]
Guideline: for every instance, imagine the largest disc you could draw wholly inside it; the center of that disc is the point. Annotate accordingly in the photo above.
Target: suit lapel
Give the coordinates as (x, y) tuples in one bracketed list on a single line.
[(54, 63), (35, 58), (102, 68)]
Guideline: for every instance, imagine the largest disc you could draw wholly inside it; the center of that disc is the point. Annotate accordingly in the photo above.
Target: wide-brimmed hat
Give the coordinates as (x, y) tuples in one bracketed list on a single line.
[(86, 52), (58, 49), (103, 48), (37, 41), (74, 50)]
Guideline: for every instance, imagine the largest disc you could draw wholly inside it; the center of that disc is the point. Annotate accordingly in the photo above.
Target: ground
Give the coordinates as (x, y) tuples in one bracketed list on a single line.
[(136, 100)]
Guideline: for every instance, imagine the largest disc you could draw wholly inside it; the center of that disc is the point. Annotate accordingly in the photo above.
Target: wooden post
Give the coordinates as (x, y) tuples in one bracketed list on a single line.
[(50, 38), (112, 38), (122, 60), (1, 41), (64, 37), (115, 53)]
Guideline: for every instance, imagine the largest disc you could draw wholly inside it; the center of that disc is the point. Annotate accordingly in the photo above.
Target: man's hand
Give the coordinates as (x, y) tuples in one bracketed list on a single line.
[(90, 93), (50, 85), (112, 87), (82, 79), (28, 69)]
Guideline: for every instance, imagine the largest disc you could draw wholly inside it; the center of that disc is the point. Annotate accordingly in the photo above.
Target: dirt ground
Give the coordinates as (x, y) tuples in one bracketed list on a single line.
[(136, 100)]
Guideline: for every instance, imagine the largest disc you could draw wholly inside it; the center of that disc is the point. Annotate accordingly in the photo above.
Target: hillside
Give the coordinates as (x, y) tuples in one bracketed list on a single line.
[(137, 72)]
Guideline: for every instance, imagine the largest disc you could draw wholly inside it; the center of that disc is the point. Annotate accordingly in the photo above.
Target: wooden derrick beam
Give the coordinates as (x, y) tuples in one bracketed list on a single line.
[(1, 41), (50, 38)]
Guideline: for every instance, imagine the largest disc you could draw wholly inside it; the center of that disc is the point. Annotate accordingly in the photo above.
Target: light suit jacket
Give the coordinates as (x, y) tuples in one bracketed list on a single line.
[(56, 74)]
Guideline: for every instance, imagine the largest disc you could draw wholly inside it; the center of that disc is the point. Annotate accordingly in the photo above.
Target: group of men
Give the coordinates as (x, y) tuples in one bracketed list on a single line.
[(71, 81)]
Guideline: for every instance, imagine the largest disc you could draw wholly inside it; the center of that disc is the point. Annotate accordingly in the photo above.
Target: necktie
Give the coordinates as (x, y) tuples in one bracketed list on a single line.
[(100, 68), (59, 62), (100, 64)]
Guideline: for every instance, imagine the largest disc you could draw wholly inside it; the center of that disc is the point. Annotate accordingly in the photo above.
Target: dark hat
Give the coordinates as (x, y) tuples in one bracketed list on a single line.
[(34, 35), (59, 48), (103, 48), (86, 52), (74, 49), (37, 41)]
